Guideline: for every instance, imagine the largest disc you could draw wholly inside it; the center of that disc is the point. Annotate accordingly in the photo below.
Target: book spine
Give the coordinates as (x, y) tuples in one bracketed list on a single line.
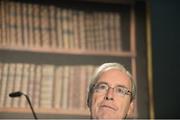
[(4, 80), (94, 31), (118, 32), (65, 87), (75, 20), (10, 85), (88, 31), (24, 24), (112, 45), (82, 32), (12, 24), (76, 88), (37, 81), (70, 88), (37, 37), (101, 30), (24, 88), (31, 83), (106, 30), (46, 86), (65, 19), (3, 23), (59, 28), (52, 26), (19, 29), (70, 30), (7, 22), (44, 25), (58, 86), (17, 83), (82, 87), (30, 25), (1, 76)]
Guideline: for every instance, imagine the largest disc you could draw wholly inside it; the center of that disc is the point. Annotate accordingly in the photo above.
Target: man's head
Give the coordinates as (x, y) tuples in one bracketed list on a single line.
[(111, 92)]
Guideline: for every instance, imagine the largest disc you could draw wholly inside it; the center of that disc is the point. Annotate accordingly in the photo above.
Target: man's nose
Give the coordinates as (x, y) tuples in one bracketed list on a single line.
[(109, 95)]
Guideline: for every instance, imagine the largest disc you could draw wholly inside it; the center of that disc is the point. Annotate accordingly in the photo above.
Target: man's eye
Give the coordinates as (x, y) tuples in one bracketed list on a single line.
[(119, 90), (101, 86)]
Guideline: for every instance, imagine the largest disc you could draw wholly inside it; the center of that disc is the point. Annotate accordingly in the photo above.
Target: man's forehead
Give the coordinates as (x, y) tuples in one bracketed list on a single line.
[(115, 77)]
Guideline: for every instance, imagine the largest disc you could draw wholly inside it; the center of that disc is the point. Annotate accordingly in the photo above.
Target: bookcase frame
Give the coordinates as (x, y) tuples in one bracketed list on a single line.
[(137, 54)]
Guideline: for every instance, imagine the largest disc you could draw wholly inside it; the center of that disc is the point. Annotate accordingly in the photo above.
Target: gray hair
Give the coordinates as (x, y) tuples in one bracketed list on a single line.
[(101, 69)]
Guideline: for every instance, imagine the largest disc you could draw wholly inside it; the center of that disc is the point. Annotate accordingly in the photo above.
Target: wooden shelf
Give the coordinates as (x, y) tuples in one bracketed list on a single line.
[(47, 111), (70, 51)]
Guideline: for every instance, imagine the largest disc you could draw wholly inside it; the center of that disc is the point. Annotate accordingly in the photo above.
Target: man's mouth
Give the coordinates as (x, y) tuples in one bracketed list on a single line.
[(108, 107)]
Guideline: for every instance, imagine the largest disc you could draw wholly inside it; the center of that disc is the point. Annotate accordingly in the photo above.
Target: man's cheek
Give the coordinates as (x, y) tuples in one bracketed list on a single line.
[(96, 103)]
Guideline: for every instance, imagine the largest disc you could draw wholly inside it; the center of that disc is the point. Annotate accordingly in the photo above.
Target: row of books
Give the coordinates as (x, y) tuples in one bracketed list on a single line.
[(37, 25), (48, 86)]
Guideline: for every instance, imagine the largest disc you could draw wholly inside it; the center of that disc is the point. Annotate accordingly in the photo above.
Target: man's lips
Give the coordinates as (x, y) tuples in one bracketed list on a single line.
[(109, 107)]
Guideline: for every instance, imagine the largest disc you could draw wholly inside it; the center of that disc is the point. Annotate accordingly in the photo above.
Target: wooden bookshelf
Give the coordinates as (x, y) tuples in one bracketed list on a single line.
[(73, 51), (51, 44)]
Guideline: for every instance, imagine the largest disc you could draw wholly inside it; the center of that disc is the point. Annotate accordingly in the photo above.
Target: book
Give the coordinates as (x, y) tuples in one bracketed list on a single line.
[(37, 37), (71, 86), (76, 28), (82, 73), (57, 93), (31, 76), (30, 25), (10, 84), (111, 28), (88, 31), (65, 91), (17, 84), (65, 32), (37, 87), (52, 26), (25, 24), (70, 30), (96, 31), (67, 29), (106, 30), (59, 29), (12, 23), (1, 76), (82, 32), (19, 29), (24, 83), (4, 79), (7, 21), (44, 27), (3, 23), (47, 86), (100, 31), (118, 29), (76, 88)]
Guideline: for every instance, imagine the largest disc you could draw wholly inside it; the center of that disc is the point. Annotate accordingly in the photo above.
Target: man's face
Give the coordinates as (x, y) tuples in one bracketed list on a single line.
[(109, 104)]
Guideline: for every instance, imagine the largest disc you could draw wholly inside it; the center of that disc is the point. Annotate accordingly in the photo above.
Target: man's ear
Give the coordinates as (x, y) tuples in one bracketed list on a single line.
[(131, 111)]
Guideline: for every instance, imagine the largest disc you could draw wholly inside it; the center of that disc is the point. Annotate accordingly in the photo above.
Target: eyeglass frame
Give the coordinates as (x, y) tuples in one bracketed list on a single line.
[(124, 90)]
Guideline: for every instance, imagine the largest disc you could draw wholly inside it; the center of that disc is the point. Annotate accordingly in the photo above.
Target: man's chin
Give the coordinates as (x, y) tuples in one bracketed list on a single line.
[(107, 116)]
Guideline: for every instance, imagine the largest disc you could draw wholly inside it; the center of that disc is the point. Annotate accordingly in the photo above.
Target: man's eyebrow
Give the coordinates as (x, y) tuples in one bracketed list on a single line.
[(122, 86), (102, 82)]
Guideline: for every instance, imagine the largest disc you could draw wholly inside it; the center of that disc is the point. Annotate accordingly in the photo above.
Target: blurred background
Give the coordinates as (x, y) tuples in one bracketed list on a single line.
[(166, 57)]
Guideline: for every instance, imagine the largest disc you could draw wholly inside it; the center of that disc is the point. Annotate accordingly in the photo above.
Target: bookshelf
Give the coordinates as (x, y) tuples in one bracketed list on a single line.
[(50, 49)]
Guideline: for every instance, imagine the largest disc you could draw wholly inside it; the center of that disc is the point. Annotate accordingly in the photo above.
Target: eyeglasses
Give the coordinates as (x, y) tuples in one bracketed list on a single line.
[(104, 87)]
